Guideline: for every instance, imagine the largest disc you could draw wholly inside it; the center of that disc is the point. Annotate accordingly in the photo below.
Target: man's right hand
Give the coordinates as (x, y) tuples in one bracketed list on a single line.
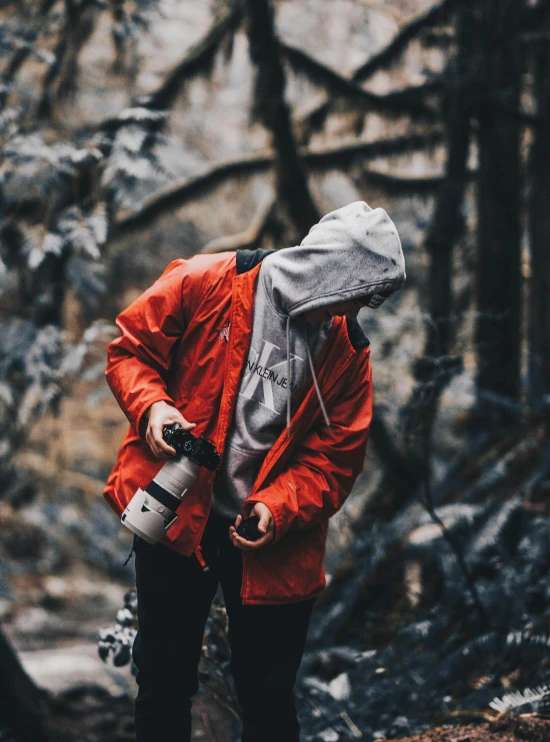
[(161, 414)]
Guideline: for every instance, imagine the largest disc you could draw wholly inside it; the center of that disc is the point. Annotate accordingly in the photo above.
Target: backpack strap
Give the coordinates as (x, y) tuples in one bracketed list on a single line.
[(356, 335)]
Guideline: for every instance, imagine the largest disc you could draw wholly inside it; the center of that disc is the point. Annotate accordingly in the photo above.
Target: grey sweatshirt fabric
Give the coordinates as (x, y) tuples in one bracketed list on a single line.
[(350, 253)]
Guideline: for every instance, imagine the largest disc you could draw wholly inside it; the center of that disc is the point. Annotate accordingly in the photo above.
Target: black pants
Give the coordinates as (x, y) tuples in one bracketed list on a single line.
[(267, 642)]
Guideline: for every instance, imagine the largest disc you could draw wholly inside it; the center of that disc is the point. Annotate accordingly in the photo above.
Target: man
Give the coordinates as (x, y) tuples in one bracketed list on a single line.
[(259, 352)]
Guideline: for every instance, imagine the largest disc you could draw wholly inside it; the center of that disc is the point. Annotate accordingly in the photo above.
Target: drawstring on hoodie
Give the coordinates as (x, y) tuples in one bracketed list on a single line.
[(324, 409), (288, 374)]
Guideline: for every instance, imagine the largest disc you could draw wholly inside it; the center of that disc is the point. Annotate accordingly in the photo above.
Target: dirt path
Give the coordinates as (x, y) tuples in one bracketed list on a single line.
[(505, 729)]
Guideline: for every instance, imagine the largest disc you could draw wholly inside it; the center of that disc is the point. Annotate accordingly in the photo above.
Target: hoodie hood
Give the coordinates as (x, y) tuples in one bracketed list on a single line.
[(349, 253)]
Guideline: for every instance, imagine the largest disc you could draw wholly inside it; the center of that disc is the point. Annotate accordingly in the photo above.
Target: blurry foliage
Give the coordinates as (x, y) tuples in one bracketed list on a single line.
[(116, 641), (55, 216)]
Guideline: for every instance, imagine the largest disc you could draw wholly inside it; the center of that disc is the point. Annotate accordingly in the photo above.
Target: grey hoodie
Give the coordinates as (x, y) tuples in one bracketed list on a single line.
[(350, 253)]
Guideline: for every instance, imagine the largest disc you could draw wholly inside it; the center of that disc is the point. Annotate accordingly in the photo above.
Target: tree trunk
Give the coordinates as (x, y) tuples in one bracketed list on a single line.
[(498, 66), (539, 297), (436, 368), (271, 108), (21, 702), (447, 223)]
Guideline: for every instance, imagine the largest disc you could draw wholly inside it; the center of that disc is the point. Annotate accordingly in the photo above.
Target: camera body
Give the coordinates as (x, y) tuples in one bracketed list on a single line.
[(152, 510)]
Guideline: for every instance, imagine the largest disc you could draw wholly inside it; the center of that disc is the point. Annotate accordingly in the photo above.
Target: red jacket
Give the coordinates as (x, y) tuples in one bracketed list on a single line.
[(175, 345)]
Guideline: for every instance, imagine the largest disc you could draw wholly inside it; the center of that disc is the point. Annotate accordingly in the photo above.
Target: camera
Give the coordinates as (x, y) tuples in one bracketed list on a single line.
[(152, 510)]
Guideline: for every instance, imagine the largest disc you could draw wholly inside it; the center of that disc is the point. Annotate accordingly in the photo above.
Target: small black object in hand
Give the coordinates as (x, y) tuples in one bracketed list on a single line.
[(248, 529)]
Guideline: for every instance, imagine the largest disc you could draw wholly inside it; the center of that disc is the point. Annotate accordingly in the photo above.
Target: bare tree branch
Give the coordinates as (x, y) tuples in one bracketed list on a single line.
[(410, 100), (16, 62), (196, 59), (117, 9), (346, 153), (458, 550), (23, 51), (176, 194), (61, 77), (247, 239), (384, 58), (402, 185)]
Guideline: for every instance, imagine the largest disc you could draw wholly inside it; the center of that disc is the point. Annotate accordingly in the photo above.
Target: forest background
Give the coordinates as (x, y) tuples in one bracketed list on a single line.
[(133, 133)]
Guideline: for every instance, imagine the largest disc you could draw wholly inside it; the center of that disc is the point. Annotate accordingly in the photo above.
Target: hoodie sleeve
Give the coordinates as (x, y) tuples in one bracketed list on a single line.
[(138, 360), (324, 466)]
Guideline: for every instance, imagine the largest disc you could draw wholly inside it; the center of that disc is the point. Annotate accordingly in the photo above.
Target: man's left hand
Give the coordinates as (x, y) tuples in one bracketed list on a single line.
[(265, 526)]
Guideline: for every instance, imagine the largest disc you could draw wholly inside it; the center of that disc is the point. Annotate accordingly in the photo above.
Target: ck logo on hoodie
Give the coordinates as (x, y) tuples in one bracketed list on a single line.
[(273, 376)]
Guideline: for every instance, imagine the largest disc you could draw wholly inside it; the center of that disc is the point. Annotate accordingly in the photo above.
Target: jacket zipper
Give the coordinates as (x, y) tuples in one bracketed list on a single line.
[(198, 548), (221, 423), (244, 584)]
